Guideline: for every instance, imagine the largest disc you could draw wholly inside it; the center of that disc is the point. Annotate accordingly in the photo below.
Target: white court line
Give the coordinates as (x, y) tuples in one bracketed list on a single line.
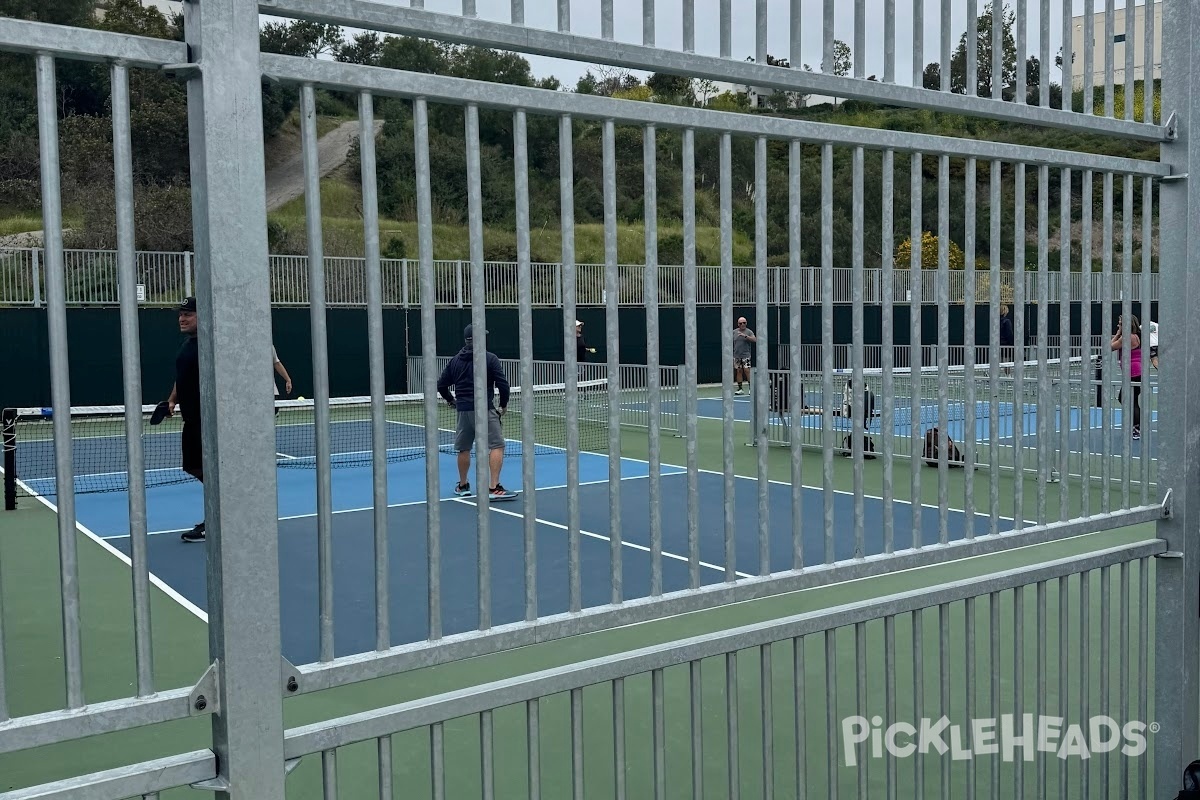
[(601, 537), (392, 505), (154, 579)]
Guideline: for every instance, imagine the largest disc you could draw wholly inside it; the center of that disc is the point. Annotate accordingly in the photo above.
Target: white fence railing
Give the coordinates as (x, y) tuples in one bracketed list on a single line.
[(166, 278)]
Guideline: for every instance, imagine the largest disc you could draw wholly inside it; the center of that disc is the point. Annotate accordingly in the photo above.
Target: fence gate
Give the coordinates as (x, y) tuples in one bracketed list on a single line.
[(869, 608)]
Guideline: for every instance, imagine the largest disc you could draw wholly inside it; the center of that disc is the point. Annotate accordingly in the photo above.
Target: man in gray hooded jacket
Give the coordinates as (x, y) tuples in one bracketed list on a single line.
[(460, 374)]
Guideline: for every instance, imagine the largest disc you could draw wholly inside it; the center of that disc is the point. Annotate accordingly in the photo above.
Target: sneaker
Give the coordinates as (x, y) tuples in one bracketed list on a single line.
[(196, 534), (1137, 434), (738, 393), (462, 490), (498, 492)]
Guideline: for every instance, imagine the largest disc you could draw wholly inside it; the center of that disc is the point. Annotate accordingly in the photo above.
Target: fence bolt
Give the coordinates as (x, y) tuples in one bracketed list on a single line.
[(291, 683), (201, 703)]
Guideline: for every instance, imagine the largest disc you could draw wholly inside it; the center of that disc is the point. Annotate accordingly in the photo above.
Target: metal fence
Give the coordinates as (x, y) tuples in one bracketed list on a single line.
[(706, 538), (631, 387), (166, 278)]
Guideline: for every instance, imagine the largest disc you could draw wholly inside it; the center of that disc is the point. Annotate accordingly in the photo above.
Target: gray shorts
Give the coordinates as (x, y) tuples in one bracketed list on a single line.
[(464, 437)]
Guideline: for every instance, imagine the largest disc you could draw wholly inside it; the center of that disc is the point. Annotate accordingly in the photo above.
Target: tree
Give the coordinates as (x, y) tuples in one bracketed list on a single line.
[(365, 48), (929, 253), (671, 88), (983, 50), (703, 90), (931, 78), (301, 38), (842, 59)]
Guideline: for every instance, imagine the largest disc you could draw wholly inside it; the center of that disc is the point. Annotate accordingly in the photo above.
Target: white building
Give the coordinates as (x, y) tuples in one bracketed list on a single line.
[(1123, 36)]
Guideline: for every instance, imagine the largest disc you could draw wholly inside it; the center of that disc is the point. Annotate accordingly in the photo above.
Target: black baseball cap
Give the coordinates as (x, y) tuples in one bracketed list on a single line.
[(469, 330), (189, 304)]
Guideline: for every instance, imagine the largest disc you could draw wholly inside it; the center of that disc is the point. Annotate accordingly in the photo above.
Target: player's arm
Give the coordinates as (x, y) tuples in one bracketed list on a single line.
[(500, 381), (444, 383)]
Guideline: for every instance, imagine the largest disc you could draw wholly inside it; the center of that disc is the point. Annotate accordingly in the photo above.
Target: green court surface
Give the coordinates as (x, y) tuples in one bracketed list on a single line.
[(32, 614)]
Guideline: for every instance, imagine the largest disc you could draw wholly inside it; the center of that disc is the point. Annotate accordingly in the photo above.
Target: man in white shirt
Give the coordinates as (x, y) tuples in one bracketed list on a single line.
[(1152, 327)]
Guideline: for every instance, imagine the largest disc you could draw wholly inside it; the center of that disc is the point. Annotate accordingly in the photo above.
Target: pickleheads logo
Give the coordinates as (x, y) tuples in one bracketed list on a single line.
[(1005, 737)]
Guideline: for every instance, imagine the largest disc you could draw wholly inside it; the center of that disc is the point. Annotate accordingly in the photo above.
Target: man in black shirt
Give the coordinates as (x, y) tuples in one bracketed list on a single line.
[(186, 392)]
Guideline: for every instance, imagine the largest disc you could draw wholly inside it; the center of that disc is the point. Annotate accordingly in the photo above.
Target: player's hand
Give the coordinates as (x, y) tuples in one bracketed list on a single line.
[(500, 412), (287, 386), (170, 408), (451, 402)]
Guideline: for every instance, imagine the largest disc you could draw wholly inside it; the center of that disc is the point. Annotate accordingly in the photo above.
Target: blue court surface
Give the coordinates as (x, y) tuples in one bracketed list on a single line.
[(1086, 430), (182, 566)]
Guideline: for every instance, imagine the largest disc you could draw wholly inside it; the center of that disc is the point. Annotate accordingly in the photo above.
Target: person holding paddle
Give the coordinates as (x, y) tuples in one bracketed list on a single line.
[(460, 374), (186, 394)]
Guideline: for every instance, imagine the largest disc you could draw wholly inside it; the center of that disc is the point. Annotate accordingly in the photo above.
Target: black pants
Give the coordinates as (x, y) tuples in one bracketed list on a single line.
[(193, 454), (1136, 382)]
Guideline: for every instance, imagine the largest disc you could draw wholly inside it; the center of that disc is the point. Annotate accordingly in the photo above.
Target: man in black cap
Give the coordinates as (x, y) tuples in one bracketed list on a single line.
[(460, 374), (186, 393)]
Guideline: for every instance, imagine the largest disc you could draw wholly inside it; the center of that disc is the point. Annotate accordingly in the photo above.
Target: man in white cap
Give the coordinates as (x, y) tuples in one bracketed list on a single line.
[(581, 348)]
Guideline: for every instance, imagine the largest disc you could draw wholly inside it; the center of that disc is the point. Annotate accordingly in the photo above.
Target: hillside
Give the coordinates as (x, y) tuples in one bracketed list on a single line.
[(161, 163)]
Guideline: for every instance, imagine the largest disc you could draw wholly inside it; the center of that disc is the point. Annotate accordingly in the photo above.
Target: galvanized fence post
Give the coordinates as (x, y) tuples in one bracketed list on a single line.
[(229, 202), (1177, 595)]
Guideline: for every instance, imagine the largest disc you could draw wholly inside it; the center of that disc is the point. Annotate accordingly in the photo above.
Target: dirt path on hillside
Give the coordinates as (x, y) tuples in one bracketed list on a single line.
[(285, 181)]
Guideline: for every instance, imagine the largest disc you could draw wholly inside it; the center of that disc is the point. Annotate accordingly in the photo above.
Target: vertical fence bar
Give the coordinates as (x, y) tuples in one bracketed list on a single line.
[(943, 339), (994, 676), (1110, 12), (1130, 32), (1130, 417), (437, 758), (618, 706), (1106, 322), (969, 680), (482, 394), (691, 356), (517, 12), (768, 723), (760, 31), (1044, 396), (533, 738), (1176, 594), (973, 53), (1040, 662), (131, 373), (648, 27), (1091, 388), (827, 343), (1065, 658), (731, 721), (233, 304), (525, 323), (567, 215), (1106, 655), (612, 285), (696, 723), (795, 28), (1068, 56), (918, 31), (726, 28), (1020, 188), (689, 26), (606, 19), (577, 758), (60, 389), (860, 38), (1148, 92), (1143, 669), (1085, 664), (1044, 57), (795, 393), (384, 755), (1064, 353), (889, 41), (433, 524), (728, 483), (827, 21), (564, 16), (800, 718), (916, 182), (653, 356), (888, 418), (370, 207), (761, 375), (1021, 35), (859, 409), (997, 47), (946, 43), (972, 413), (320, 359), (831, 709), (1148, 392)]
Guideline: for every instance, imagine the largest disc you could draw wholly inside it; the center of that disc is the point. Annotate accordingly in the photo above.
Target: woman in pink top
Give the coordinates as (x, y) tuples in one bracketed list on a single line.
[(1135, 368)]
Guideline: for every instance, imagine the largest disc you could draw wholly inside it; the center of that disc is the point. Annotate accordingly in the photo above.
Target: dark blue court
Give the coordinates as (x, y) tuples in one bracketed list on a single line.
[(182, 566)]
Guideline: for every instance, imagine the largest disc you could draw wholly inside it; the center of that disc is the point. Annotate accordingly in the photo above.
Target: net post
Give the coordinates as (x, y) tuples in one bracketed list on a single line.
[(8, 433)]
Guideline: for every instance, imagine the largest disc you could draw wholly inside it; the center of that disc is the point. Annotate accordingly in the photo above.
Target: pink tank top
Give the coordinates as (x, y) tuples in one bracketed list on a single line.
[(1135, 361)]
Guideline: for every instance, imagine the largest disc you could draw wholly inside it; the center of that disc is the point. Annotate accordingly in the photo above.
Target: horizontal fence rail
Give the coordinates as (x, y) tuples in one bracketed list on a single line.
[(164, 279)]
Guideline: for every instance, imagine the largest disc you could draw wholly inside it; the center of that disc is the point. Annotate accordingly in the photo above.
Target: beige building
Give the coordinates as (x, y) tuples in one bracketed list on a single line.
[(1122, 38)]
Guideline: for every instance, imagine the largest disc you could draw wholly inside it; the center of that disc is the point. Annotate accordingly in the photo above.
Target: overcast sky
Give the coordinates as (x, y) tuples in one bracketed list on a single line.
[(585, 20)]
